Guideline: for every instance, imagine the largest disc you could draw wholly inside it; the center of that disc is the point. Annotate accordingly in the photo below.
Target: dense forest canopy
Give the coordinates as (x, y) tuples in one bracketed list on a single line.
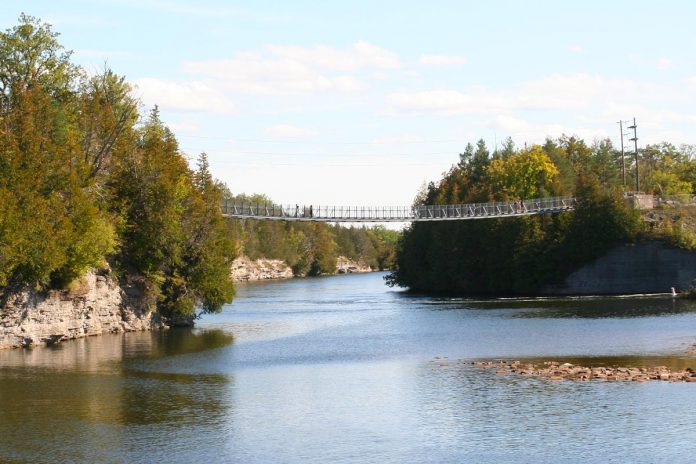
[(521, 255), (88, 181), (85, 180)]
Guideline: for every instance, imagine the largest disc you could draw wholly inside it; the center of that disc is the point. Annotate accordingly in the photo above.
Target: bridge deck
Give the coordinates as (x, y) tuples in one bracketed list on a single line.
[(320, 213)]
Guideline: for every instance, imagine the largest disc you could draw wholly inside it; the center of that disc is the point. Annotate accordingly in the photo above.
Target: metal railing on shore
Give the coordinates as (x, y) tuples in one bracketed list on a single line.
[(271, 211)]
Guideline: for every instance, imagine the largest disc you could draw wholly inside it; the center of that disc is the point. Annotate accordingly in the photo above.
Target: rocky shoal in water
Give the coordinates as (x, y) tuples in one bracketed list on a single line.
[(557, 371)]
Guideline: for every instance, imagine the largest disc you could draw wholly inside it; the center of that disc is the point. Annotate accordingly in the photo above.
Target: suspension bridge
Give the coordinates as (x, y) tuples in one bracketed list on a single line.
[(321, 213)]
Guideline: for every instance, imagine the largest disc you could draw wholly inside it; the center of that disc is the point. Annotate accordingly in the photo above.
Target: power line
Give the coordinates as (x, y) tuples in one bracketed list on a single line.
[(332, 142), (635, 145), (623, 158), (333, 155), (633, 139)]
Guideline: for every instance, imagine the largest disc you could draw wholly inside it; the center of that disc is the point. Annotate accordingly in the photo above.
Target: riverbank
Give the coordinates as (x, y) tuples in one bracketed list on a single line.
[(96, 304), (245, 269)]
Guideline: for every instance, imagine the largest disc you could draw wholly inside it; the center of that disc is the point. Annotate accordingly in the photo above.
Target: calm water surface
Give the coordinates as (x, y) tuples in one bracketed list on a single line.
[(343, 370)]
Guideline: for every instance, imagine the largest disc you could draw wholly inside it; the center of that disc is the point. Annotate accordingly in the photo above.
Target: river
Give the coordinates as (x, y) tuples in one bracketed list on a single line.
[(345, 370)]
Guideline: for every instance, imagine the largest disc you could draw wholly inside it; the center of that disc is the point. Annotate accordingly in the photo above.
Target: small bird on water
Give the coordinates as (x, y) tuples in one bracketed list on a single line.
[(674, 293)]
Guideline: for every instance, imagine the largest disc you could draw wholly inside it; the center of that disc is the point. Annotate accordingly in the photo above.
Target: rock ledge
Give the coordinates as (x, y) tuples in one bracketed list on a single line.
[(556, 371), (96, 305)]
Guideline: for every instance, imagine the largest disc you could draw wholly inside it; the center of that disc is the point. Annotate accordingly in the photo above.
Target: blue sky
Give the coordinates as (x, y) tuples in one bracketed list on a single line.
[(361, 102)]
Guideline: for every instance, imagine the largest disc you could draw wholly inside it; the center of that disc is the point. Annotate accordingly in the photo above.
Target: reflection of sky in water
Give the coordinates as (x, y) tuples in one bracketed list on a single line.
[(342, 370)]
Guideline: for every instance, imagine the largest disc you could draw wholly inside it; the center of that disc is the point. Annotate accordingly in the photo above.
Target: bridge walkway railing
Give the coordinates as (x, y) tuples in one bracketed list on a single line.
[(271, 211)]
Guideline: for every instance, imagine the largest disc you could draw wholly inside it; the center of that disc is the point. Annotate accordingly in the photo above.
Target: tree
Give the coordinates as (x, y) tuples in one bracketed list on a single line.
[(208, 248), (479, 162), (30, 55), (519, 255), (466, 157), (508, 148), (528, 174), (107, 111), (63, 232)]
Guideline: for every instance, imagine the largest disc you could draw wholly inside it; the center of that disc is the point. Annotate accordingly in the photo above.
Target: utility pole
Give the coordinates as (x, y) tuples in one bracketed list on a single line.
[(623, 158), (634, 139)]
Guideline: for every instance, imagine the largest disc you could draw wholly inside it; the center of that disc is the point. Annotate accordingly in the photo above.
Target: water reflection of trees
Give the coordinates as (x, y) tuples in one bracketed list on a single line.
[(104, 352), (70, 396)]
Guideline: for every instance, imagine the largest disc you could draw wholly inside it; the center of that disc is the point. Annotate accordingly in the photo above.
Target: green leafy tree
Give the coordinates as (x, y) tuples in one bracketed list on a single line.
[(30, 55), (528, 174), (519, 255)]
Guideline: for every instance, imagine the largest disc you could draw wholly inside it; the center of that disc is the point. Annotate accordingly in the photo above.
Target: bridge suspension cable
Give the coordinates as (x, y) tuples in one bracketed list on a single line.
[(321, 213)]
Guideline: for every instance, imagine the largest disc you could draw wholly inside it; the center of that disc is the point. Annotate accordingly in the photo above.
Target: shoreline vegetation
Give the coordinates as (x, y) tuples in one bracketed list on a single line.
[(89, 183), (520, 256)]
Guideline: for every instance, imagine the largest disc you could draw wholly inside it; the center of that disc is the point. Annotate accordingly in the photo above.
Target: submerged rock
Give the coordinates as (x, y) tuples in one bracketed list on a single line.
[(552, 370)]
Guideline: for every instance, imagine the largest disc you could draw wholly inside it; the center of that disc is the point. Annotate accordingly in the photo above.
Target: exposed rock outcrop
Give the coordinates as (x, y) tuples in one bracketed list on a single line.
[(643, 267), (553, 370), (249, 270), (245, 269), (347, 266), (96, 305)]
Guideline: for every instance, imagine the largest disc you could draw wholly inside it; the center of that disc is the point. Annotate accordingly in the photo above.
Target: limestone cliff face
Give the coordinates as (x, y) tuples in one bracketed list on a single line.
[(245, 269), (99, 305), (644, 267), (348, 266)]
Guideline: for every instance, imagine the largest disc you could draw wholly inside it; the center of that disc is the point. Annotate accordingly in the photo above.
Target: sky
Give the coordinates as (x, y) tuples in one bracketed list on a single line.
[(362, 102)]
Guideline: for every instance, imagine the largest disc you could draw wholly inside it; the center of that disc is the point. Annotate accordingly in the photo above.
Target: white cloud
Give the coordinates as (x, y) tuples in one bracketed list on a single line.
[(664, 64), (442, 60), (360, 55), (577, 49), (182, 96), (292, 70), (564, 92), (185, 126), (446, 102), (398, 139), (559, 92), (522, 130), (289, 131), (579, 104)]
